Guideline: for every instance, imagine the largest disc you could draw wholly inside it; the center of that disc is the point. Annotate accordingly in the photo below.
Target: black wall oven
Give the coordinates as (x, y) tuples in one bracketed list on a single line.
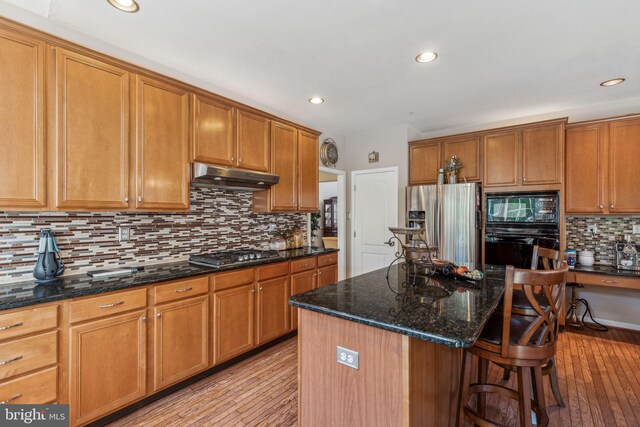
[(515, 222)]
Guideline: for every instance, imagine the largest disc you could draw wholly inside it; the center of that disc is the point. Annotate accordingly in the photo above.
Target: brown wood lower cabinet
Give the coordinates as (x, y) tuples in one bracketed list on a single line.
[(327, 275), (107, 365), (273, 309), (234, 322), (181, 340), (301, 282)]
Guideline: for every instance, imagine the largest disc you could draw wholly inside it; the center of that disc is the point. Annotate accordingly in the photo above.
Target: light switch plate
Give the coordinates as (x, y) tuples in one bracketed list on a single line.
[(347, 357), (636, 228)]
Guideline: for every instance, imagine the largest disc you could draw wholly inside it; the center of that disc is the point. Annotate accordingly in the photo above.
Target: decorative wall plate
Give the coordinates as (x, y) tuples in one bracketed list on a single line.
[(329, 152)]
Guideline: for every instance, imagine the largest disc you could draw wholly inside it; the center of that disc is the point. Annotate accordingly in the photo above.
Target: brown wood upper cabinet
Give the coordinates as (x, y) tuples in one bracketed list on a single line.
[(468, 149), (162, 135), (227, 136), (22, 164), (524, 156), (425, 158), (294, 158), (602, 174), (92, 133)]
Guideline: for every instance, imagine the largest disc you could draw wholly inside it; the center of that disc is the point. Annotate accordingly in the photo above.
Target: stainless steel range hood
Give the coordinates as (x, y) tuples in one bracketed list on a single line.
[(231, 179)]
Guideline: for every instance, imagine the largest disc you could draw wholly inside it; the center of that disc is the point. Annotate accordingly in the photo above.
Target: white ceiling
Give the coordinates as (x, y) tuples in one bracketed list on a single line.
[(498, 60)]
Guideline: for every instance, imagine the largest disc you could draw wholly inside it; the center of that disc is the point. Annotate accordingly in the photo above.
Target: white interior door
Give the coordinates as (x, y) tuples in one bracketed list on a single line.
[(375, 209)]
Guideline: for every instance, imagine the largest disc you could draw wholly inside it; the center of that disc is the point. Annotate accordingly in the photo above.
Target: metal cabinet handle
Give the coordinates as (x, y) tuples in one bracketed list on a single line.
[(183, 290), (139, 199), (253, 291), (239, 159), (524, 179), (11, 399), (111, 305), (15, 325), (6, 362), (126, 200), (260, 288), (159, 315), (144, 318), (601, 207), (609, 281), (515, 181), (232, 158), (612, 206)]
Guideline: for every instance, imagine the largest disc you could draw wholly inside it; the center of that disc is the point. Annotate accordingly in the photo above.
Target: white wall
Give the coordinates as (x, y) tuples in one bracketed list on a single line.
[(611, 306)]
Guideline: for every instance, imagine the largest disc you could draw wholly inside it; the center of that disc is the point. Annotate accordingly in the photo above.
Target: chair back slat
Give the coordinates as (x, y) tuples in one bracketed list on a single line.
[(542, 326), (549, 258)]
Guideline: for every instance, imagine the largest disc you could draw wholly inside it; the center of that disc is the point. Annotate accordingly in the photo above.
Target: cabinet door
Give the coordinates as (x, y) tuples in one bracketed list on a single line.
[(92, 133), (301, 282), (273, 309), (542, 154), (468, 150), (284, 154), (501, 158), (585, 168), (22, 163), (162, 167), (624, 173), (425, 158), (107, 365), (253, 141), (234, 320), (327, 275), (181, 344), (213, 132), (308, 172)]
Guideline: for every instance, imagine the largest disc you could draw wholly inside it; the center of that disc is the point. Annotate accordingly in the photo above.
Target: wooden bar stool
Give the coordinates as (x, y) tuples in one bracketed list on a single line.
[(550, 260), (524, 343)]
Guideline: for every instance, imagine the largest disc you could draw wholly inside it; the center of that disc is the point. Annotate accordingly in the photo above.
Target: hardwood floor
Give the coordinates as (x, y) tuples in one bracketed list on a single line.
[(599, 376)]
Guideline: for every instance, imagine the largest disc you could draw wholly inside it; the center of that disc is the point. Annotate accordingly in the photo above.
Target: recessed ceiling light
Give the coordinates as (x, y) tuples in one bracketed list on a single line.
[(426, 57), (125, 5), (612, 82), (316, 100)]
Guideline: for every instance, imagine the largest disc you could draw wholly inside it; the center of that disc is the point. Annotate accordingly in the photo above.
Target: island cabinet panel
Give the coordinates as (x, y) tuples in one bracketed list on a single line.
[(107, 365), (585, 168), (234, 322), (400, 381), (425, 158), (308, 176), (92, 133), (213, 133), (301, 282), (181, 340), (162, 135), (502, 158), (542, 154), (327, 275), (252, 141), (624, 173), (22, 164), (284, 154), (274, 317), (468, 149)]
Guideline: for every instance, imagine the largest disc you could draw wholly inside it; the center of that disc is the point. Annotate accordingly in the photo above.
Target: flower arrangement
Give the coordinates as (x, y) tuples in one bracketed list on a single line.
[(453, 166)]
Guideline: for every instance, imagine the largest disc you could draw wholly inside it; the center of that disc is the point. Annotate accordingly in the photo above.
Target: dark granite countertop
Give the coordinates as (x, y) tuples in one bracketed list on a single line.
[(443, 310), (609, 270), (25, 293)]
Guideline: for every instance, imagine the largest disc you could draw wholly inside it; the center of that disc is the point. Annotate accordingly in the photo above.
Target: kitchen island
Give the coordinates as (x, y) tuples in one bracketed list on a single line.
[(403, 337)]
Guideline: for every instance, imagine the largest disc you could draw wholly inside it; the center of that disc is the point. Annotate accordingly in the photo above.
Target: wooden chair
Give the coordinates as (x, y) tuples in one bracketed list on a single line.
[(524, 343)]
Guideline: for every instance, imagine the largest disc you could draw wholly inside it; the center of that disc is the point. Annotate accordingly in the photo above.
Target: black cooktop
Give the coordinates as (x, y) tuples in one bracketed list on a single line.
[(235, 257)]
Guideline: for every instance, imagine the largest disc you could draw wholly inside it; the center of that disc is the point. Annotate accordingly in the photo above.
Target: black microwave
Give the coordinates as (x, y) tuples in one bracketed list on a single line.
[(523, 208)]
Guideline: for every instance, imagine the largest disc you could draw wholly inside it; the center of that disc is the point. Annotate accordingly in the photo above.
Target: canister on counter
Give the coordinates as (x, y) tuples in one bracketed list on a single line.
[(571, 256)]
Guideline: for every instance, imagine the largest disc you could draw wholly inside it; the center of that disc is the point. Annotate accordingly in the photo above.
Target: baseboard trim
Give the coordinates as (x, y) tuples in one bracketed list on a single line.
[(619, 325)]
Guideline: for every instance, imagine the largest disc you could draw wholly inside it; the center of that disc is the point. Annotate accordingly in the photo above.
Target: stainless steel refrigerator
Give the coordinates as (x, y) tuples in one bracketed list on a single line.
[(451, 214)]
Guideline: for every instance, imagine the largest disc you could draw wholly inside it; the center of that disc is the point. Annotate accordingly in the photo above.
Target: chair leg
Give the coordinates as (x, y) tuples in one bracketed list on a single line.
[(465, 382), (483, 374), (538, 387), (506, 374), (555, 387), (524, 396)]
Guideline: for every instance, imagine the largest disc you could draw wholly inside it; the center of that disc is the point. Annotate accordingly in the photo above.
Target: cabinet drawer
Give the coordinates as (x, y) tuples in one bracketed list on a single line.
[(605, 280), (233, 278), (273, 270), (106, 305), (303, 264), (328, 259), (37, 388), (28, 354), (181, 289), (28, 321)]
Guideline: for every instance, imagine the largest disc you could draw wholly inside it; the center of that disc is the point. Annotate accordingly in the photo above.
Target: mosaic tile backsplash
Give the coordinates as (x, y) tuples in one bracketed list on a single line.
[(609, 229), (218, 220)]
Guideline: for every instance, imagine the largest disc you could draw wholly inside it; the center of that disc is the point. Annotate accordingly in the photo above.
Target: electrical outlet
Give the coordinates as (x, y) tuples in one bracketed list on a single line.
[(347, 357), (592, 228), (636, 228), (124, 234)]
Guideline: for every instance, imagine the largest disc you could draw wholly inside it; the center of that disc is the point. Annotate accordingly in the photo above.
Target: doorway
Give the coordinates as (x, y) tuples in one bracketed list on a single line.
[(374, 207), (332, 185)]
